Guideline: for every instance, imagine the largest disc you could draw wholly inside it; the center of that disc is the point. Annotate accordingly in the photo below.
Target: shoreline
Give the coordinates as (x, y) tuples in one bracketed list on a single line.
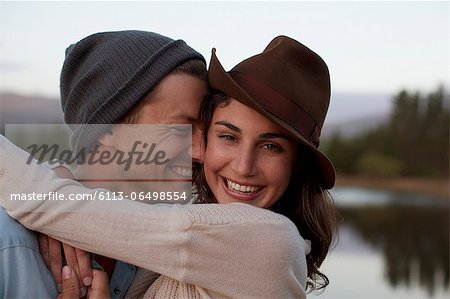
[(435, 187)]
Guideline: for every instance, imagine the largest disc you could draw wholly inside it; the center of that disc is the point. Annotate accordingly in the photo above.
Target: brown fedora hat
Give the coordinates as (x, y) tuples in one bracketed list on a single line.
[(290, 85)]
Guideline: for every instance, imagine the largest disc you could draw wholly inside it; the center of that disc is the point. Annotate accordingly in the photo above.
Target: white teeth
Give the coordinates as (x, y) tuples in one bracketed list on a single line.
[(241, 188), (182, 171)]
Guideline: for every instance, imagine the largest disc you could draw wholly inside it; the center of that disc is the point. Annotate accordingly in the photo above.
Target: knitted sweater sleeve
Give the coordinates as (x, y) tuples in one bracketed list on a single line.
[(233, 250)]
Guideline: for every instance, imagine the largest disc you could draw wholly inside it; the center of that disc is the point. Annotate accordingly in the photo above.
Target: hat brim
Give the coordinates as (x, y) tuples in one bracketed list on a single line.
[(220, 80)]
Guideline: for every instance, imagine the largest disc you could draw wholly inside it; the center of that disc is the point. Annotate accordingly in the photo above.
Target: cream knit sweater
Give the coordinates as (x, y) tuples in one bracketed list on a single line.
[(207, 250)]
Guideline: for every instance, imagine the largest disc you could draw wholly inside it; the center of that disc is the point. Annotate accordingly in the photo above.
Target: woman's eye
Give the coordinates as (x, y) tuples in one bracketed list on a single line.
[(272, 147), (227, 137)]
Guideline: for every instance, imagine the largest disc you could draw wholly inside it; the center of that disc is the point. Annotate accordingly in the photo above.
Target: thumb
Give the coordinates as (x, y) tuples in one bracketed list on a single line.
[(71, 289), (100, 285)]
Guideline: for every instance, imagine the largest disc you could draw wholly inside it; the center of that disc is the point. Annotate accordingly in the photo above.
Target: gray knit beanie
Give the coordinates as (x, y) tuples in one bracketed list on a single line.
[(106, 74)]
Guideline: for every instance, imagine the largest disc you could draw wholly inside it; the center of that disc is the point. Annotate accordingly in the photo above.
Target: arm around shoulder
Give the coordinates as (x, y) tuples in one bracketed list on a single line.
[(252, 252), (228, 249)]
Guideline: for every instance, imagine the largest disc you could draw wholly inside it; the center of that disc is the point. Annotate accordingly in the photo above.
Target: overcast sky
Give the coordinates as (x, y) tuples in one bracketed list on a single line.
[(373, 47)]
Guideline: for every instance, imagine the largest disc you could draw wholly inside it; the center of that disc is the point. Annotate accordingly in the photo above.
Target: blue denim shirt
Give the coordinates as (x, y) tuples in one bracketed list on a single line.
[(121, 279), (23, 273)]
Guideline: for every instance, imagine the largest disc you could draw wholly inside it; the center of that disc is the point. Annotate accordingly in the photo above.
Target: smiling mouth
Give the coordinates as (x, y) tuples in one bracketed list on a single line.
[(182, 171), (243, 189)]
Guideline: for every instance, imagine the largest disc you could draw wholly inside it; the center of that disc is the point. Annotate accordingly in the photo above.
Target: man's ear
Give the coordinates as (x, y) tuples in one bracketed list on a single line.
[(107, 139)]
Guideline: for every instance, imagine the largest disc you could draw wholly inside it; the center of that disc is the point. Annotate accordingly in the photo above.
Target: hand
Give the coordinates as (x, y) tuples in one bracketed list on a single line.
[(63, 172), (71, 287), (76, 258), (51, 250)]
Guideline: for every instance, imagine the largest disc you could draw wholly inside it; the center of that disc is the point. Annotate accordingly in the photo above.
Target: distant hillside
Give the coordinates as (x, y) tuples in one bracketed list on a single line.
[(349, 113), (17, 109), (353, 127), (352, 113)]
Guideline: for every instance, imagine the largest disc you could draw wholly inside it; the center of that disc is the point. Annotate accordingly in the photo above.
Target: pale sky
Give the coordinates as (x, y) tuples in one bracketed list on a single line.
[(373, 47)]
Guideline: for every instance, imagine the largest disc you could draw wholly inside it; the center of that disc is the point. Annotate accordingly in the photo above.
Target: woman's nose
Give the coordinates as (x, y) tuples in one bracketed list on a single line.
[(244, 163)]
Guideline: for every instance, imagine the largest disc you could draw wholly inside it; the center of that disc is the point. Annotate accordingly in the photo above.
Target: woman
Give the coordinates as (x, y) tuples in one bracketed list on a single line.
[(270, 85), (269, 123)]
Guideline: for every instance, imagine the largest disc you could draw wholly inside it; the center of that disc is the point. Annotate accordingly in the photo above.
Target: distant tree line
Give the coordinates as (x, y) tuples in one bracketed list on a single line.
[(413, 142)]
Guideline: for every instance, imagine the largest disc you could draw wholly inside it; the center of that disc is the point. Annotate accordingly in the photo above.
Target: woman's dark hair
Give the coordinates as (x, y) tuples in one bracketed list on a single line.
[(304, 202)]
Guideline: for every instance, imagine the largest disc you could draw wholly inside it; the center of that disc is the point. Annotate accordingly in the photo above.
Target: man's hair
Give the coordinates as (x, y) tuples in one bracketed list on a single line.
[(193, 67)]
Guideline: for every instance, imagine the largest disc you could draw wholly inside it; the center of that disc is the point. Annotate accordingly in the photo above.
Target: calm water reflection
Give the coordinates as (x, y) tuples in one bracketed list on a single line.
[(391, 245)]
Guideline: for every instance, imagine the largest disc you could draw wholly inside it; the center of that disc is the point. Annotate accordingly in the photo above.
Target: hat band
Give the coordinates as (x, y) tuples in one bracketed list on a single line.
[(279, 105)]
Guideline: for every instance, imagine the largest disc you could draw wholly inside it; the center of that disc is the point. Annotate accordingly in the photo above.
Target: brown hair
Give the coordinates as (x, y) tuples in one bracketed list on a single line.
[(304, 202), (193, 67)]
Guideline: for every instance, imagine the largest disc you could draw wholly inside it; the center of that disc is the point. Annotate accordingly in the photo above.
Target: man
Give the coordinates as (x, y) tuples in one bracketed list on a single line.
[(108, 78)]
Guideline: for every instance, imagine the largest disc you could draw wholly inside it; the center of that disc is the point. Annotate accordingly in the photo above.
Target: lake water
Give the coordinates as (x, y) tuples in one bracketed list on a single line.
[(390, 245)]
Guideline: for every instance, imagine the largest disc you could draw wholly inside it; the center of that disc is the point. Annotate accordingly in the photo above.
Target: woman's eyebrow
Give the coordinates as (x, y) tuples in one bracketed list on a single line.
[(261, 136), (273, 135), (228, 125)]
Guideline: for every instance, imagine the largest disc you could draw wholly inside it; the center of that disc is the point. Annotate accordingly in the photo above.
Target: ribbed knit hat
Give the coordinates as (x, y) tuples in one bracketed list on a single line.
[(106, 74)]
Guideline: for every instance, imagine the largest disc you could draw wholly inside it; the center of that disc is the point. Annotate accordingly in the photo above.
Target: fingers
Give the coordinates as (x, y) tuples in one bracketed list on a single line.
[(70, 253), (71, 257), (70, 285), (43, 248), (84, 264), (55, 260), (100, 285)]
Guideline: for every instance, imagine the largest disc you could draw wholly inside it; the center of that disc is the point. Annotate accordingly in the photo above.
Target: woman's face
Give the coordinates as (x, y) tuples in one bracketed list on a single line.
[(248, 158)]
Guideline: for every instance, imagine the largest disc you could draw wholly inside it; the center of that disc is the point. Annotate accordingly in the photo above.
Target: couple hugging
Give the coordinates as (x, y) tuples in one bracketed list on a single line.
[(261, 220)]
